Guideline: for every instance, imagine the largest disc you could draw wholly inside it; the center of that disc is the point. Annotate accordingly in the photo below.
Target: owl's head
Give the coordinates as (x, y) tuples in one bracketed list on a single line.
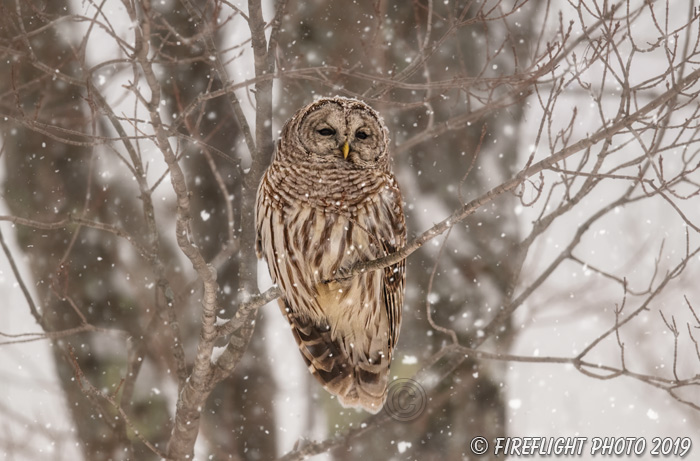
[(341, 133)]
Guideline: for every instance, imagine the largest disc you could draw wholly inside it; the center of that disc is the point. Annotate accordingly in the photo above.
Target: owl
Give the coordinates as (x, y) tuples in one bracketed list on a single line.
[(327, 201)]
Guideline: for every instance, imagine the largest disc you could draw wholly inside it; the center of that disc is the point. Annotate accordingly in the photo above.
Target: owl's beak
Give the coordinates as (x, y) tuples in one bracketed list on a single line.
[(346, 150)]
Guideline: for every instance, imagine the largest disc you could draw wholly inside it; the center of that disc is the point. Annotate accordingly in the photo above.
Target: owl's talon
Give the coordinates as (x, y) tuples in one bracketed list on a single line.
[(344, 274), (340, 275)]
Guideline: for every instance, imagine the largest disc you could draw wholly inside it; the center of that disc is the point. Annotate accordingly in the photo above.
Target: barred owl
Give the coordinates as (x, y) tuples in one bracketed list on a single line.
[(327, 201)]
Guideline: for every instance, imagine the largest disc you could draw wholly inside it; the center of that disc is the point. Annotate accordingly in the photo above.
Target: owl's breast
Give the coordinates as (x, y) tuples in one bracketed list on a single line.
[(328, 189), (312, 231)]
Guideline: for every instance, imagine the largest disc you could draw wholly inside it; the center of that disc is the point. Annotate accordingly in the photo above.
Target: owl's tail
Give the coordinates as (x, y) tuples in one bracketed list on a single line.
[(359, 379)]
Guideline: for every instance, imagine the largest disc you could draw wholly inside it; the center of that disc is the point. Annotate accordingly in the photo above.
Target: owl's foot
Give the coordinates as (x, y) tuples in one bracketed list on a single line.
[(341, 275)]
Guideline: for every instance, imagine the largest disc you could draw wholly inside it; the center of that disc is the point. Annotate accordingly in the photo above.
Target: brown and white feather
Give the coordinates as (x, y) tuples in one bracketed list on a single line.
[(317, 216)]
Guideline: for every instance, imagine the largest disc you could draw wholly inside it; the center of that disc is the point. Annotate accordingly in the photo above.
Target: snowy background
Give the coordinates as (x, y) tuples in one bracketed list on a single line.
[(572, 308)]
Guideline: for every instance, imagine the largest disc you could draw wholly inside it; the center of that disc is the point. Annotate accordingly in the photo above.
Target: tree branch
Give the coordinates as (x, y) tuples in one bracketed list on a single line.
[(462, 213)]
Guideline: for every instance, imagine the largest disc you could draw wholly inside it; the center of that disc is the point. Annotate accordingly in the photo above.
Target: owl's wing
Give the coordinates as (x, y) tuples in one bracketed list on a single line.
[(260, 211), (393, 291), (392, 236)]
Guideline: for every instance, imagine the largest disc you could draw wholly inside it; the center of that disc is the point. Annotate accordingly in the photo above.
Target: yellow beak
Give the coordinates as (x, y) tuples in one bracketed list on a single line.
[(346, 150)]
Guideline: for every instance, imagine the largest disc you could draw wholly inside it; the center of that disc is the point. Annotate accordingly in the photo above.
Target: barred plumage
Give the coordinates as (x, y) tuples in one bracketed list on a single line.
[(328, 200)]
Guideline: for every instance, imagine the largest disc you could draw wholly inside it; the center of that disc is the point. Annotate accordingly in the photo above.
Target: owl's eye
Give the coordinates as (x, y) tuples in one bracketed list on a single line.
[(361, 135), (326, 132)]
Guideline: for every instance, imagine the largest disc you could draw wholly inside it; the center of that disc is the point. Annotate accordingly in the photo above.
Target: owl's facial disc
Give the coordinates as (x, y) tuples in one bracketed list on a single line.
[(322, 129), (332, 133), (365, 136)]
